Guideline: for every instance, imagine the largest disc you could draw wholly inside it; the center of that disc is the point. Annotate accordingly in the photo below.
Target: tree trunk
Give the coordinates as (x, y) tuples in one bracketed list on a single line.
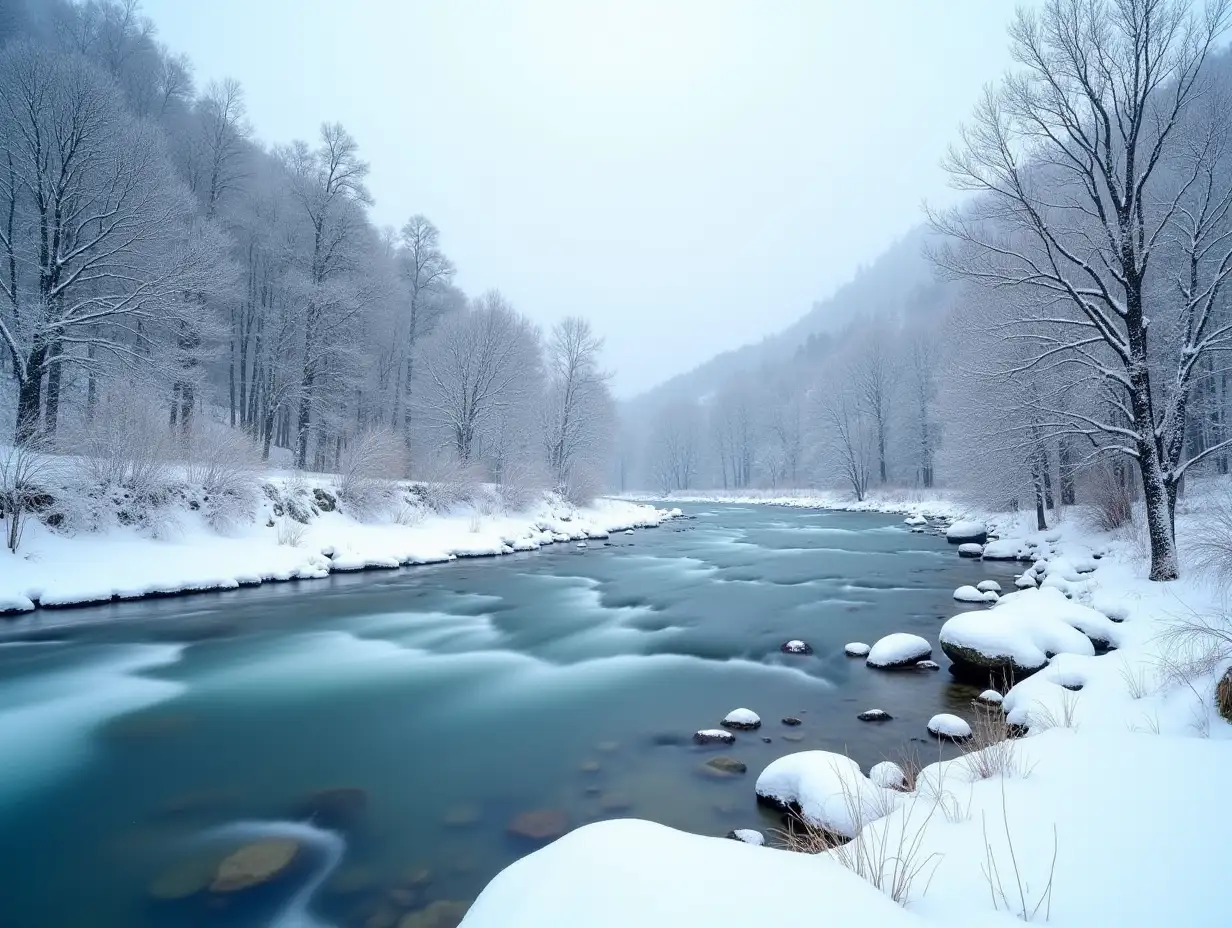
[(1065, 462), (303, 420), (51, 418), (29, 398)]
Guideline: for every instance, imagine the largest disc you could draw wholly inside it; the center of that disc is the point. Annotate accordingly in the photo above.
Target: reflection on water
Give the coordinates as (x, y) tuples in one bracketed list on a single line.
[(451, 698)]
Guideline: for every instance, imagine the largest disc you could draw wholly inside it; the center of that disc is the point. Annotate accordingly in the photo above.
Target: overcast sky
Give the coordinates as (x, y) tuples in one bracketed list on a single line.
[(688, 174)]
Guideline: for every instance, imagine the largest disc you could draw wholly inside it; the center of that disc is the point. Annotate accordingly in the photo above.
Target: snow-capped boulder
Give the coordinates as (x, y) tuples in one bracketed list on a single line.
[(969, 594), (829, 791), (899, 650), (1091, 622), (874, 715), (1026, 582), (988, 586), (856, 649), (748, 836), (949, 727), (713, 736), (970, 549), (742, 720), (888, 775), (1039, 568), (990, 697), (915, 520), (927, 665), (1012, 640), (1004, 549), (796, 646), (965, 531)]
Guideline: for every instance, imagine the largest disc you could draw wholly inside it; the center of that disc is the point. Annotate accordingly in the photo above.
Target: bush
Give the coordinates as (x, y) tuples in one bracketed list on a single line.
[(1111, 503), (1212, 550), (23, 473), (369, 467), (223, 462)]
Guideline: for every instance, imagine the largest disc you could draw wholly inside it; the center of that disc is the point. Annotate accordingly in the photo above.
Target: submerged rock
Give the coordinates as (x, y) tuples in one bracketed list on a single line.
[(725, 765), (184, 879), (336, 809), (254, 864), (461, 816), (791, 721), (539, 825)]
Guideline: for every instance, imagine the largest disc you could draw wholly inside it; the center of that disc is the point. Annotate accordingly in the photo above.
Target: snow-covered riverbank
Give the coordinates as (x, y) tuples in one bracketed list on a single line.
[(1112, 809), (299, 531)]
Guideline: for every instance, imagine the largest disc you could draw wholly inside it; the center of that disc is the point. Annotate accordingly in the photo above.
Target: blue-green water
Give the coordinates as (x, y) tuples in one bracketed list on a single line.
[(130, 734)]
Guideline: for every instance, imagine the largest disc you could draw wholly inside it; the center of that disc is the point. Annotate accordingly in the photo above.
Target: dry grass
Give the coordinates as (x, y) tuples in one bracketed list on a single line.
[(1018, 898), (1044, 717), (1111, 505), (1223, 695), (990, 752), (290, 533), (1212, 551)]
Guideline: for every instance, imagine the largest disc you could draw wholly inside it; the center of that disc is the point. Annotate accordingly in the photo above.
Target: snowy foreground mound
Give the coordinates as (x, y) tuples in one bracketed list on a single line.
[(1149, 851), (298, 533)]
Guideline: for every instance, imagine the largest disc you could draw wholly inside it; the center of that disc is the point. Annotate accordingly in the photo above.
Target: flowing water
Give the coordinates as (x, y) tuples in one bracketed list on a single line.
[(136, 737)]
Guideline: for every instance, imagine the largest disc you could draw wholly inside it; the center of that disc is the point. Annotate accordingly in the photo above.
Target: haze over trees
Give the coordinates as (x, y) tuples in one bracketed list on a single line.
[(156, 256)]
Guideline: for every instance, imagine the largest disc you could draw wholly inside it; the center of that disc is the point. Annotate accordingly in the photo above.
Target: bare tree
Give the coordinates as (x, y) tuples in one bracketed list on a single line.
[(427, 273), (847, 437), (1069, 158), (675, 446), (922, 361), (578, 407)]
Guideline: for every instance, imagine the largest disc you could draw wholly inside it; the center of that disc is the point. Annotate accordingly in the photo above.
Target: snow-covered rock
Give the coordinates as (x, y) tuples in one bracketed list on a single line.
[(713, 736), (915, 520), (927, 665), (742, 719), (856, 649), (830, 791), (900, 649), (1013, 639), (874, 715), (796, 646), (970, 549), (1026, 582), (991, 697), (1004, 549), (988, 586), (949, 727), (968, 594), (888, 775), (747, 836), (965, 531), (1091, 622)]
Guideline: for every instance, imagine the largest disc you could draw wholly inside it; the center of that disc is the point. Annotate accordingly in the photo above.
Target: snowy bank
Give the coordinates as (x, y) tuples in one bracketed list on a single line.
[(299, 531)]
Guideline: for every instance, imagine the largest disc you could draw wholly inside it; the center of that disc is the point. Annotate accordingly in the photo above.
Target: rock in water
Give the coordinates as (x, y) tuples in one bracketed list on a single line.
[(539, 825), (726, 765), (970, 549), (874, 715), (791, 721), (968, 594), (713, 736), (336, 809), (967, 532), (949, 727), (254, 864), (742, 720), (927, 665), (899, 650), (795, 646), (856, 649), (184, 879), (747, 836), (988, 586)]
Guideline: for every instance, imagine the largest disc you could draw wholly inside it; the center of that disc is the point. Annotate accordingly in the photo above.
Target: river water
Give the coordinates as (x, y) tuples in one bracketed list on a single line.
[(137, 737)]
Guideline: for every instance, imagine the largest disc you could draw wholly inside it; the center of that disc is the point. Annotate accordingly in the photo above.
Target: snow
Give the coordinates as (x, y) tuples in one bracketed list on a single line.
[(888, 775), (916, 520), (1004, 549), (990, 696), (949, 726), (965, 529), (971, 549), (1014, 630), (856, 649), (968, 594), (54, 569), (831, 791), (899, 649), (749, 836), (988, 586), (1026, 582), (742, 718), (715, 735), (627, 872)]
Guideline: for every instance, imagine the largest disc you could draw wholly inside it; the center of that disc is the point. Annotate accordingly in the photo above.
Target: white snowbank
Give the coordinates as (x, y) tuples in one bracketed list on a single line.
[(830, 789), (900, 649), (624, 873)]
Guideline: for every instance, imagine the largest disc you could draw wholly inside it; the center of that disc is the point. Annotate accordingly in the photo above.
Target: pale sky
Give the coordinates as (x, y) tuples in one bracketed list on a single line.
[(688, 174)]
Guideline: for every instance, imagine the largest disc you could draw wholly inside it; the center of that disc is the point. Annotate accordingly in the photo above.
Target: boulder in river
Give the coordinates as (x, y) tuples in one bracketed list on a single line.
[(970, 549), (336, 809), (988, 586), (856, 649), (742, 720), (254, 864), (874, 715), (713, 736), (796, 646), (948, 727), (967, 532), (899, 650), (727, 766), (791, 721), (539, 825)]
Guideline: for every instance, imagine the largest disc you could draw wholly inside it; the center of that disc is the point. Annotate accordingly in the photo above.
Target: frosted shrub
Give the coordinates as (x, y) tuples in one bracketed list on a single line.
[(368, 470), (1212, 549), (23, 472), (444, 483), (1111, 502), (223, 462)]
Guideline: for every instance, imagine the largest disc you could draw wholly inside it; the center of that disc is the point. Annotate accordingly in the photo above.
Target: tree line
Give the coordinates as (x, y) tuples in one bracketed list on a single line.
[(154, 253)]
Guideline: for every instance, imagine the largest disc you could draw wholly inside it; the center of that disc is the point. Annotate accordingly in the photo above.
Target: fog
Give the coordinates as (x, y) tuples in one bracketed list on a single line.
[(688, 176)]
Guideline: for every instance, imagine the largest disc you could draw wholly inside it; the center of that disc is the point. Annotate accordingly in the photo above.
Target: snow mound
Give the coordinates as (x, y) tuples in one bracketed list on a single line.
[(629, 872), (1005, 549), (988, 586), (856, 649), (888, 775), (900, 649), (966, 530), (950, 727), (1015, 637), (969, 594), (745, 719), (1091, 622), (992, 697), (970, 549), (829, 789), (915, 520), (1026, 582)]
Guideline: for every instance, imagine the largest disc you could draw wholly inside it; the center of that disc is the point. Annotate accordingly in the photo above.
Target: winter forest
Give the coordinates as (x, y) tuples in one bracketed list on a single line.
[(170, 281)]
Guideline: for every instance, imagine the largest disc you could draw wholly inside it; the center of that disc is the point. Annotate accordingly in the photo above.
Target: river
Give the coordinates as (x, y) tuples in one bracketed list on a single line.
[(137, 736)]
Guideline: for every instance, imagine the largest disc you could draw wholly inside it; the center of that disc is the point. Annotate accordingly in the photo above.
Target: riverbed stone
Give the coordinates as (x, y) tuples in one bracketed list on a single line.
[(443, 913), (727, 766), (796, 646), (982, 669), (351, 880), (338, 808), (874, 715), (792, 721), (254, 864), (713, 736), (539, 824), (184, 879)]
